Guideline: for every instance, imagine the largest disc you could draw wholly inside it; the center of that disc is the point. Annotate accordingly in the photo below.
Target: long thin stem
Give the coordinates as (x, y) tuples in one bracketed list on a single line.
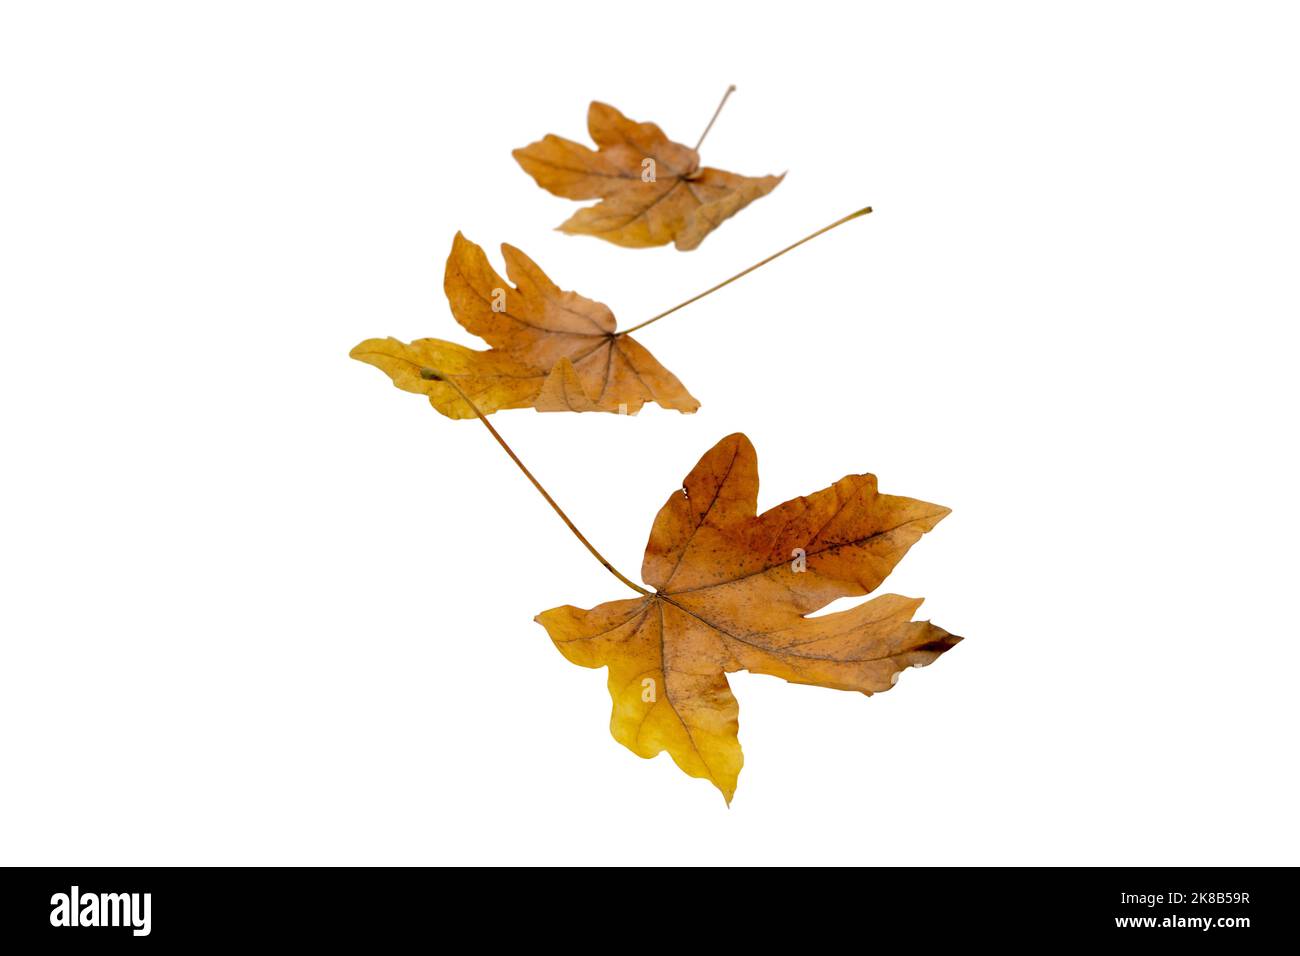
[(756, 265), (432, 374), (731, 89)]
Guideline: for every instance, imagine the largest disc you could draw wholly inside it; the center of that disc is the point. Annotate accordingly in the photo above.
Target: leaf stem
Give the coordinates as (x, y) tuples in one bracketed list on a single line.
[(731, 89), (432, 374), (745, 272)]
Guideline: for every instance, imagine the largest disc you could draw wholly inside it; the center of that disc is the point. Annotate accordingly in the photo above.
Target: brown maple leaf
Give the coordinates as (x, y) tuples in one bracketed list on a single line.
[(732, 591), (552, 350), (652, 191)]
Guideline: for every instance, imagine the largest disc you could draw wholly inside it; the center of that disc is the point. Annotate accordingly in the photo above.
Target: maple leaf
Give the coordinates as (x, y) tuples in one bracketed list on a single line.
[(652, 191), (552, 350), (732, 591)]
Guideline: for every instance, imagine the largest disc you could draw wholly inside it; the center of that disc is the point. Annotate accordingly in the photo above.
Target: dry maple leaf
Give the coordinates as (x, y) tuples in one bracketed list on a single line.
[(652, 191), (732, 589), (552, 350)]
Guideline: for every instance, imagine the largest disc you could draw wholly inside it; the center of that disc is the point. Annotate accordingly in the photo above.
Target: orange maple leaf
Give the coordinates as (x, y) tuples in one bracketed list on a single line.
[(652, 191), (732, 591), (552, 350)]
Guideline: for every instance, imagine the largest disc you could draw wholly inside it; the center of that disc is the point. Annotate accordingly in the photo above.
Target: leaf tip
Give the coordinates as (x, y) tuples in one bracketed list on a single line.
[(738, 440), (361, 350)]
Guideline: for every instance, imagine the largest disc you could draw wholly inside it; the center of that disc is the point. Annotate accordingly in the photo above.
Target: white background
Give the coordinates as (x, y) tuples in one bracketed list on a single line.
[(261, 607)]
